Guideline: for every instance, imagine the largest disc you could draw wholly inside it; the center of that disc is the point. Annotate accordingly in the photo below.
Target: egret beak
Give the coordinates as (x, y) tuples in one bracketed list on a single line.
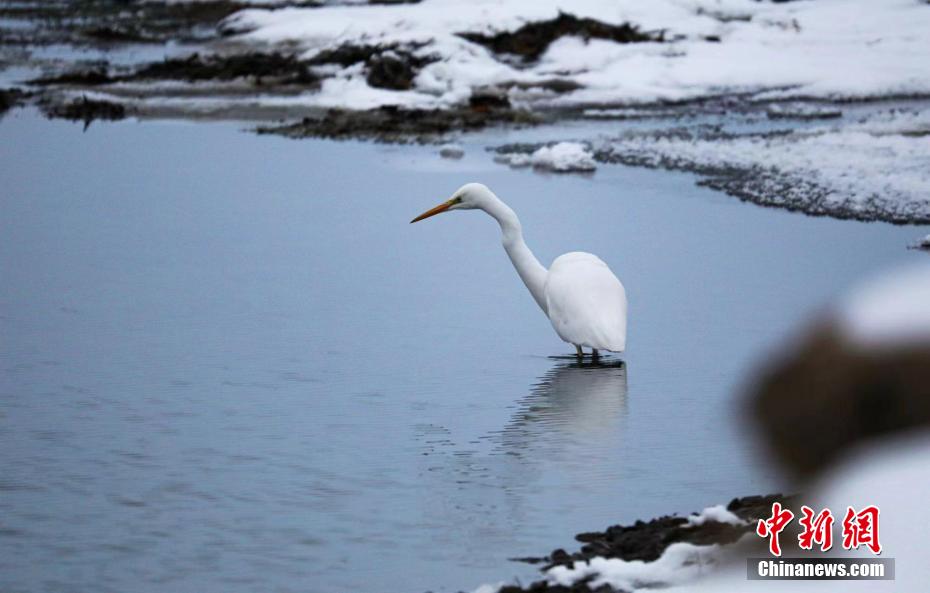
[(434, 211)]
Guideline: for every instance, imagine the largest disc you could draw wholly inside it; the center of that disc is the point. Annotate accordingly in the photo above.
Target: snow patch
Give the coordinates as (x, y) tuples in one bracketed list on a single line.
[(826, 49), (488, 588), (680, 563), (892, 309), (563, 157), (893, 475), (717, 513), (875, 168)]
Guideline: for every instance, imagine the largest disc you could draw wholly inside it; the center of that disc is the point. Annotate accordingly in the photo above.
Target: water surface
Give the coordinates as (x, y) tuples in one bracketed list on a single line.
[(229, 364)]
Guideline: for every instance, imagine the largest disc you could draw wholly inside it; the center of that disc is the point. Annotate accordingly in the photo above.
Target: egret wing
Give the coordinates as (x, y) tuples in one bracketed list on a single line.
[(586, 302)]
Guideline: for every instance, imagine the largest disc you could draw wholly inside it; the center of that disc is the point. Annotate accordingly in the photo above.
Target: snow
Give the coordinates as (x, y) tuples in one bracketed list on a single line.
[(718, 513), (803, 59), (680, 563), (892, 309), (879, 166), (893, 475), (802, 111), (348, 89), (787, 54), (828, 49), (562, 157)]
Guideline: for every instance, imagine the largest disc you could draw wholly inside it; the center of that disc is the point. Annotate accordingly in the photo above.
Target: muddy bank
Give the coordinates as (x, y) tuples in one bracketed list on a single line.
[(10, 98), (85, 22), (114, 22), (388, 66), (532, 39), (85, 110), (258, 68), (392, 124), (647, 540), (224, 77)]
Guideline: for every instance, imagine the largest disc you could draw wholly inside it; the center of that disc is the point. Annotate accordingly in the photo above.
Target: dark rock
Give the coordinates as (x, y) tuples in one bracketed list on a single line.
[(283, 68), (753, 508), (390, 71), (82, 77), (532, 39), (86, 110), (10, 98), (488, 98), (116, 34), (827, 396), (556, 85), (347, 54), (390, 66)]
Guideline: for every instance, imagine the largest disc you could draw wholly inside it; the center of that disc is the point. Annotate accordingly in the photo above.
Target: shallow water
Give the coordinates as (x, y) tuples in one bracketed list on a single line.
[(229, 364)]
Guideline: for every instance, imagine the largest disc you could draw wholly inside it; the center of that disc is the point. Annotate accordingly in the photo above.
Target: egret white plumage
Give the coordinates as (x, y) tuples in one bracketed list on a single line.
[(584, 300)]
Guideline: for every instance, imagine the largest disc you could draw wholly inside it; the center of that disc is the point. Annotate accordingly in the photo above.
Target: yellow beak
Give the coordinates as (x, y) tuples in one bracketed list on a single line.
[(434, 211)]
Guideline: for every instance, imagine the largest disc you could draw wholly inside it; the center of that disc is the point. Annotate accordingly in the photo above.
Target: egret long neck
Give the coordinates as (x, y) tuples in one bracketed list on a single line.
[(528, 267)]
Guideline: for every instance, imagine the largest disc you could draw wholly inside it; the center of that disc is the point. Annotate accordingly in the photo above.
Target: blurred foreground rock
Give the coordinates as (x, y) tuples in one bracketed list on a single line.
[(861, 374)]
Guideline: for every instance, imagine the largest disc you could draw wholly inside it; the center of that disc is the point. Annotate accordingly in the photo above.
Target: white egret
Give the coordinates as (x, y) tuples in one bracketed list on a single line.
[(583, 299)]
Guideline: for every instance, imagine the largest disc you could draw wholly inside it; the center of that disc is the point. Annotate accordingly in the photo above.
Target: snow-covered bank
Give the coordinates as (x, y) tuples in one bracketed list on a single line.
[(828, 49), (659, 553), (792, 72), (873, 166), (680, 564), (891, 476), (603, 54)]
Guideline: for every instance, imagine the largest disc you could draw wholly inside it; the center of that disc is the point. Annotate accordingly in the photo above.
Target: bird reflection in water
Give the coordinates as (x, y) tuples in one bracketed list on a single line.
[(558, 447), (576, 408)]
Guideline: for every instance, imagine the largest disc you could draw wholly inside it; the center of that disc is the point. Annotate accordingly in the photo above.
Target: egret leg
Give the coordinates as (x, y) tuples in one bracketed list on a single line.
[(594, 354), (579, 351)]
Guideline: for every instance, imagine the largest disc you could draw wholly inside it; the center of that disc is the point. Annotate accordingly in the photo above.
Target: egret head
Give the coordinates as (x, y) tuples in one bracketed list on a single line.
[(467, 197)]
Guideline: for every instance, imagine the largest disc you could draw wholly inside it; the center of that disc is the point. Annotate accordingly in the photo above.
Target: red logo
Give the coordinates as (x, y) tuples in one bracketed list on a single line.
[(859, 529), (817, 529), (774, 525)]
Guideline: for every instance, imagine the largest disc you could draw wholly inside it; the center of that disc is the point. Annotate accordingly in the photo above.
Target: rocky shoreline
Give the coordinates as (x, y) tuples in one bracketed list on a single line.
[(646, 541)]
